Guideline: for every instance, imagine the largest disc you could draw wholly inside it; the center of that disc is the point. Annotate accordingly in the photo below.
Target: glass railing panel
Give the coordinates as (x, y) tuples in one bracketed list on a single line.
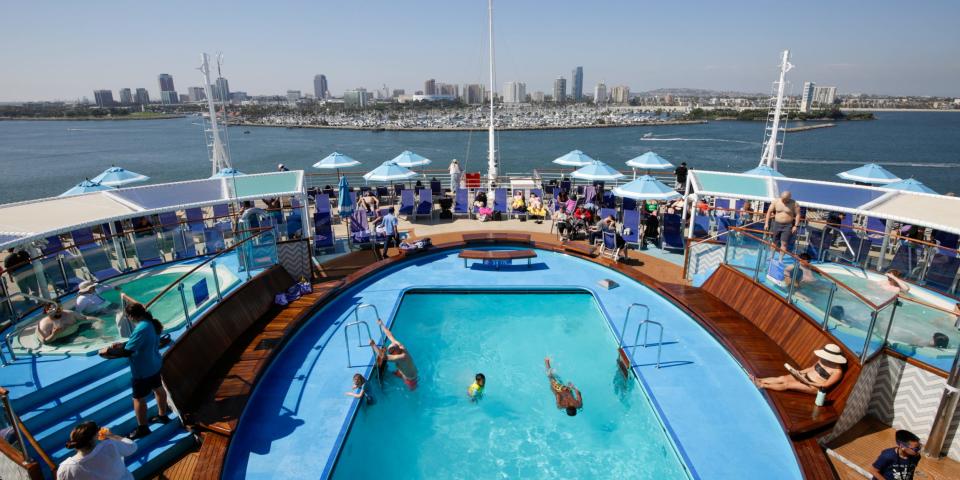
[(811, 291), (881, 325), (925, 332), (849, 319), (743, 252)]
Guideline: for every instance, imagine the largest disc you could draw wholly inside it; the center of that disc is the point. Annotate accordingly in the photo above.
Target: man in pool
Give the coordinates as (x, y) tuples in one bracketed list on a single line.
[(58, 324), (568, 396), (398, 354)]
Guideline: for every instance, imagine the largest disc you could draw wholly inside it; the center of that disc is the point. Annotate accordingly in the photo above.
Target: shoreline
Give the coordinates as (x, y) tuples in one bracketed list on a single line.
[(91, 119), (471, 129)]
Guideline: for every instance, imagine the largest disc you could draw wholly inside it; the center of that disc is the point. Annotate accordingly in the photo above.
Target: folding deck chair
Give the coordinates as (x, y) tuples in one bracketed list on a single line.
[(94, 255), (323, 240), (672, 232), (407, 203), (500, 201), (609, 246), (631, 227), (425, 203), (461, 204)]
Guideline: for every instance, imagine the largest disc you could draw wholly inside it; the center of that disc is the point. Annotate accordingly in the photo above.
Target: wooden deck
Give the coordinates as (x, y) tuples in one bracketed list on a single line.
[(757, 352)]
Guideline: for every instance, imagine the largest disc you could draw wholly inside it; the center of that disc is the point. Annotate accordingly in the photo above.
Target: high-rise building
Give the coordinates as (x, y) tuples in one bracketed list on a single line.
[(293, 96), (560, 90), (474, 93), (184, 98), (142, 97), (221, 90), (824, 96), (537, 97), (577, 87), (398, 91), (514, 92), (430, 87), (448, 90), (238, 97), (600, 93), (356, 98), (168, 93), (126, 96), (320, 86), (620, 94), (806, 97), (196, 94), (103, 98)]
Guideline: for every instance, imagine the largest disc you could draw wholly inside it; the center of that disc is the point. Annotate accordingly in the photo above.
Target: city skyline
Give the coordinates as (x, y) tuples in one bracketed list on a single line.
[(718, 47)]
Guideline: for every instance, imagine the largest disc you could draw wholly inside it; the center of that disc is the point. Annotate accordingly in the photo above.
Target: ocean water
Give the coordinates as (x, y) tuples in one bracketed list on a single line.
[(515, 430), (45, 158)]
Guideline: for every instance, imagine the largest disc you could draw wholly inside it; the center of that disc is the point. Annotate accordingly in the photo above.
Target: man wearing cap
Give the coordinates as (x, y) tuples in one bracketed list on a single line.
[(821, 376), (282, 168), (89, 301)]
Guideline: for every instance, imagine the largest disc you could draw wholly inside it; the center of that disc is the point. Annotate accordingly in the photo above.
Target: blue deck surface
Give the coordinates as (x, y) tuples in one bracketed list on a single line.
[(298, 415)]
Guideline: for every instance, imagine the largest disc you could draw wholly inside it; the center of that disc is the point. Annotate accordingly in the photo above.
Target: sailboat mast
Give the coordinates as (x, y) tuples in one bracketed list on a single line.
[(218, 152), (769, 157), (491, 150)]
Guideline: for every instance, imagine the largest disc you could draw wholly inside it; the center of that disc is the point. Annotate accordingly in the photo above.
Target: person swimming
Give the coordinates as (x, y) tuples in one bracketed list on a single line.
[(568, 397), (894, 283), (475, 390)]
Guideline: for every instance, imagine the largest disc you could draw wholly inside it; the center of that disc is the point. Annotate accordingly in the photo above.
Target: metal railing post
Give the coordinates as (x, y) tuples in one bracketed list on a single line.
[(826, 311), (793, 280), (216, 280), (866, 343), (63, 272), (4, 397), (760, 254), (183, 301), (6, 297), (945, 412)]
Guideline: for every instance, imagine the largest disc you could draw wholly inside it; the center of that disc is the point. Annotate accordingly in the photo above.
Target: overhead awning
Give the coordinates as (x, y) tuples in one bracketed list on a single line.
[(936, 211)]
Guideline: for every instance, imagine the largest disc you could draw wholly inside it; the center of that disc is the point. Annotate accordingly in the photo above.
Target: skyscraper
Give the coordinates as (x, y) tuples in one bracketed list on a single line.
[(126, 97), (621, 94), (514, 92), (356, 98), (196, 94), (320, 86), (560, 90), (168, 93), (104, 98), (536, 97), (577, 87), (293, 96), (221, 90), (473, 93), (449, 90), (824, 96), (806, 97), (430, 87), (600, 93), (142, 97)]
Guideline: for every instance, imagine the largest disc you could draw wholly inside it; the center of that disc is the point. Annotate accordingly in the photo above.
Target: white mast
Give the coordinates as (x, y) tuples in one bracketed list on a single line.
[(774, 128), (218, 152), (491, 150)]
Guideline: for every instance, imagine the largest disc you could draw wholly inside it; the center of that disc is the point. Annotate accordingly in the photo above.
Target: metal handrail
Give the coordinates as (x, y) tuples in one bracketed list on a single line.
[(623, 329), (23, 433), (357, 322), (647, 330)]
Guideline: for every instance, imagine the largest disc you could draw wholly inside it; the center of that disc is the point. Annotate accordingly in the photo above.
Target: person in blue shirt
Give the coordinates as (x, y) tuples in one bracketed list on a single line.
[(389, 223), (143, 352), (900, 462)]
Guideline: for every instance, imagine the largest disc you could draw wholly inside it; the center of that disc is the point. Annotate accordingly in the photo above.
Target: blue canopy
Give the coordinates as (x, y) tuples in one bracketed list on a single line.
[(409, 159), (646, 188), (869, 173), (911, 185), (649, 161), (388, 171), (227, 172), (836, 194), (343, 198), (764, 171), (597, 171), (575, 158), (117, 176), (336, 160), (85, 187)]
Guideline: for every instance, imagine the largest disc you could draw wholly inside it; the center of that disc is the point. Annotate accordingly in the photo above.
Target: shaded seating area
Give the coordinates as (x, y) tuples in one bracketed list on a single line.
[(497, 257)]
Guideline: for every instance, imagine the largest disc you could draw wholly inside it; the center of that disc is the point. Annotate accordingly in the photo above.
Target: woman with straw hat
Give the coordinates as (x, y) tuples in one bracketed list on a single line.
[(821, 376)]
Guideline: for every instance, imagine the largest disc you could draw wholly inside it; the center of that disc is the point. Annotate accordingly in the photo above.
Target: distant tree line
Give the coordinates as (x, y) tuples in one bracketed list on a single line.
[(751, 115)]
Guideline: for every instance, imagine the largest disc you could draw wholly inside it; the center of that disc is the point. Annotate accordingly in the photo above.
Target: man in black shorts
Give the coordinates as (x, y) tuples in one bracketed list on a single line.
[(786, 219)]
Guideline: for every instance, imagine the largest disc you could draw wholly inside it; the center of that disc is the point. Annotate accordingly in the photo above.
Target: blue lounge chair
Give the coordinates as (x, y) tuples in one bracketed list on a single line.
[(631, 227), (407, 203), (359, 227), (397, 189), (425, 203), (565, 186), (589, 195), (221, 211), (518, 213), (609, 200), (323, 239), (436, 188), (609, 246), (382, 192), (461, 204), (213, 240), (819, 241), (672, 236), (195, 222), (701, 226), (907, 259), (723, 226), (605, 212), (629, 204), (946, 239), (500, 200), (942, 270)]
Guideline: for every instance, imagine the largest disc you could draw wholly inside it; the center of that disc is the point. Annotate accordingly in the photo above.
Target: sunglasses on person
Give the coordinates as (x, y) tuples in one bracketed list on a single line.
[(913, 449)]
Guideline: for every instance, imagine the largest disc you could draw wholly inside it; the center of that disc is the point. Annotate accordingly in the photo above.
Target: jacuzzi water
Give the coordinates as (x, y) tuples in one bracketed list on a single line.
[(515, 430)]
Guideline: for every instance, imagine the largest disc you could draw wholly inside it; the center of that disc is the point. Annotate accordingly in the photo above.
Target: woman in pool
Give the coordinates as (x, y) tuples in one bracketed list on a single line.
[(823, 375), (894, 283), (568, 396)]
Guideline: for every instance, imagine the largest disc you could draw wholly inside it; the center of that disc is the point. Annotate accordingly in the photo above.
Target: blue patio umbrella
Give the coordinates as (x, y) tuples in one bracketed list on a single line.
[(597, 170), (336, 161), (911, 185), (388, 172), (574, 158), (646, 188), (650, 161), (227, 173), (85, 186), (344, 205), (870, 173), (764, 171), (118, 176), (409, 159)]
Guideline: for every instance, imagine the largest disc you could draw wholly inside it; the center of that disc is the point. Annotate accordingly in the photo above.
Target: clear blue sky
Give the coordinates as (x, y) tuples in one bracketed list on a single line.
[(66, 49)]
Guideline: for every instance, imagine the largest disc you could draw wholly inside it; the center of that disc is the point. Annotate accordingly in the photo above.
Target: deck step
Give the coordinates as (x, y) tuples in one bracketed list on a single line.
[(45, 416), (67, 387), (114, 412), (156, 451), (120, 425)]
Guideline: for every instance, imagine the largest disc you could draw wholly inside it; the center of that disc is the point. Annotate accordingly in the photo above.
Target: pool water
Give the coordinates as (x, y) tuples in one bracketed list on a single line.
[(515, 430)]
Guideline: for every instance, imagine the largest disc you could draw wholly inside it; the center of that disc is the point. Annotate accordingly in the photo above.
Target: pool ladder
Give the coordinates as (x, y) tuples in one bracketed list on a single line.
[(642, 326), (358, 324)]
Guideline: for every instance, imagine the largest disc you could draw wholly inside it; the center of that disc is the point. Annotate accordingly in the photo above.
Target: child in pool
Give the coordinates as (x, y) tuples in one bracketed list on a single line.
[(359, 389), (475, 390)]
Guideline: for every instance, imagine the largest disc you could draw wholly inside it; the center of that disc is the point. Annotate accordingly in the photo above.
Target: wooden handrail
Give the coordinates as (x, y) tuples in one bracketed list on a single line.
[(36, 446)]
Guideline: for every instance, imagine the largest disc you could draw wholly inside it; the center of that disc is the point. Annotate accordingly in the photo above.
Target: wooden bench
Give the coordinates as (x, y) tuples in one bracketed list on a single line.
[(580, 248), (496, 255)]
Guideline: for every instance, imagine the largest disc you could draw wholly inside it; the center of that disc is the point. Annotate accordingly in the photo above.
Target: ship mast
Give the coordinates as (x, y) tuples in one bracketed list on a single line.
[(491, 150), (218, 152), (772, 142)]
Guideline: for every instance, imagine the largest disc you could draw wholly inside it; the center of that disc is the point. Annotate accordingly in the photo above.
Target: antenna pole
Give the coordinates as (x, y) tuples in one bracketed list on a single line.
[(219, 158), (491, 150), (769, 156)]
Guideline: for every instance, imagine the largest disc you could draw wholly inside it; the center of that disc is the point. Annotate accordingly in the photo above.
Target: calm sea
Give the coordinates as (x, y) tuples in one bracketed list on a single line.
[(40, 159)]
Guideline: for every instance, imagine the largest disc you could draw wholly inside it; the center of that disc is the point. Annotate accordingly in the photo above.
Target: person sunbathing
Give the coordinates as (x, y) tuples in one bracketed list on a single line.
[(821, 376), (568, 397)]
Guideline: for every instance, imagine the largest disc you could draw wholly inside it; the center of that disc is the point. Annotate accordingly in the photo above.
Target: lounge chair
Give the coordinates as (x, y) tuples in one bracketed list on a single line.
[(819, 241), (606, 212), (436, 188), (723, 226), (382, 193), (946, 239), (360, 227), (213, 240), (425, 203), (500, 201), (589, 195), (701, 226), (943, 270), (609, 246), (631, 227), (907, 259), (407, 203), (195, 221), (94, 255), (323, 240), (629, 204), (397, 189), (672, 236), (518, 213), (461, 203), (565, 186), (608, 200)]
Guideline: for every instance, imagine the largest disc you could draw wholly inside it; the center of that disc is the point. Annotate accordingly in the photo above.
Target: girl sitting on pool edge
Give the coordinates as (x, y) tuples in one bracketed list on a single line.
[(475, 390)]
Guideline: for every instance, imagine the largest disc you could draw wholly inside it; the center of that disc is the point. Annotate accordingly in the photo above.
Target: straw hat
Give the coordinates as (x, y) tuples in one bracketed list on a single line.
[(831, 353), (87, 286)]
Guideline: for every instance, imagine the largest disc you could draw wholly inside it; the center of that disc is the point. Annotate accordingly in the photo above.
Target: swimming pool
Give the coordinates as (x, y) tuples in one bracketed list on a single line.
[(515, 431), (297, 418)]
